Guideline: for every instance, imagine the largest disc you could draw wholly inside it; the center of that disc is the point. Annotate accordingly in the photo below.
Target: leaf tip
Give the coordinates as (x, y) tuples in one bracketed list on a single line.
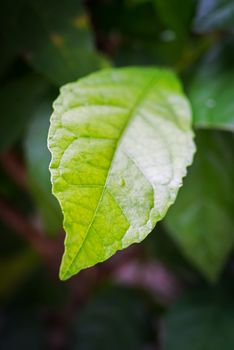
[(64, 275), (67, 269)]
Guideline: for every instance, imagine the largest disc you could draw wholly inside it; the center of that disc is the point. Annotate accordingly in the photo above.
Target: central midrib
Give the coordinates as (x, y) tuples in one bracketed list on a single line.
[(138, 102)]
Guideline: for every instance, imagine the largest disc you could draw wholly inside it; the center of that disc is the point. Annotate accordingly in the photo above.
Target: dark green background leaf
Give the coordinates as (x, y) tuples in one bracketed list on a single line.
[(211, 89), (201, 221), (201, 320), (38, 159), (17, 102), (56, 39), (172, 15)]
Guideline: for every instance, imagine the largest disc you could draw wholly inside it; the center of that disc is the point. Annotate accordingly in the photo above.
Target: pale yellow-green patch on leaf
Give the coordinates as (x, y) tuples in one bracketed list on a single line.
[(120, 141)]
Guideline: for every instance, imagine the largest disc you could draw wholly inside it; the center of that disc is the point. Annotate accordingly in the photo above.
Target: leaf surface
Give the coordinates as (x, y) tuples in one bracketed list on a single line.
[(211, 89), (55, 38), (201, 221), (171, 15), (120, 140)]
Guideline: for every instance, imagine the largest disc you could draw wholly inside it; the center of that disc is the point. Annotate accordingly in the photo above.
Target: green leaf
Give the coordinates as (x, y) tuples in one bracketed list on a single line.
[(136, 21), (171, 15), (17, 100), (37, 161), (211, 90), (120, 141), (201, 221), (139, 36), (113, 309), (212, 101), (214, 15), (201, 320), (56, 39)]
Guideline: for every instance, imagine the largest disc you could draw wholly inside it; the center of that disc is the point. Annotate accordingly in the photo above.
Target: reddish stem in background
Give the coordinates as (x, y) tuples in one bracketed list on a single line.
[(125, 267), (50, 250), (14, 168), (47, 248)]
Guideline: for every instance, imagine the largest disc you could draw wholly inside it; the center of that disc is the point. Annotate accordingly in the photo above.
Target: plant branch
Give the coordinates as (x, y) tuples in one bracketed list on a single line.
[(45, 247), (13, 167)]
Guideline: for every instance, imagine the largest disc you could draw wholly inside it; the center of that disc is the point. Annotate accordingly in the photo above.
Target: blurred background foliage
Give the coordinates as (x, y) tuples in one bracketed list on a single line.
[(175, 290)]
